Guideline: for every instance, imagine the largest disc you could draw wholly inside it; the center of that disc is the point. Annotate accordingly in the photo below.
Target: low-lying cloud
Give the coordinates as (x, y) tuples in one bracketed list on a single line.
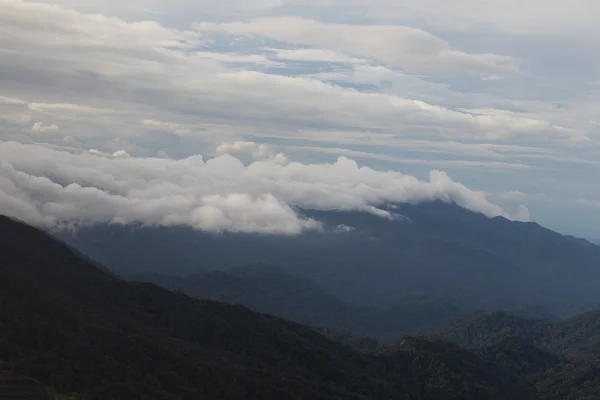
[(53, 187)]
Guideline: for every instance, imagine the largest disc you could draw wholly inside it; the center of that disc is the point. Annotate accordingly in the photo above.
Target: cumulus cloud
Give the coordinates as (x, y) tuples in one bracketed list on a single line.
[(256, 151), (116, 154), (39, 127), (48, 187)]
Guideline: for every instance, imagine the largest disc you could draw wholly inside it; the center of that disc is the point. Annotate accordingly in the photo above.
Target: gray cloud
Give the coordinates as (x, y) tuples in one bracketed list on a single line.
[(404, 84), (109, 66), (400, 46)]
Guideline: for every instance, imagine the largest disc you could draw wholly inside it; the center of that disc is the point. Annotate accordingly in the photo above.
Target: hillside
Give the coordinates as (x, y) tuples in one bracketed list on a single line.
[(577, 337), (432, 249), (74, 328), (557, 361), (274, 291)]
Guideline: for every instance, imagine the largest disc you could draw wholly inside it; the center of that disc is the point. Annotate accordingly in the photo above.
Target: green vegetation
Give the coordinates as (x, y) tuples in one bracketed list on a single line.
[(74, 328), (556, 361), (274, 291), (81, 333)]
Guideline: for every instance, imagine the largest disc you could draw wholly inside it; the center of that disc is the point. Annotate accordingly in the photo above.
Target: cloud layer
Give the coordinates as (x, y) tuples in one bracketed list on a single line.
[(503, 96), (50, 187)]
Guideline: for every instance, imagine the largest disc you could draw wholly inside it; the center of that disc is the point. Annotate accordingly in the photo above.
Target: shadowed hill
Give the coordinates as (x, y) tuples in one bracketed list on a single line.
[(520, 356), (19, 388), (275, 291), (462, 371), (74, 328), (577, 337)]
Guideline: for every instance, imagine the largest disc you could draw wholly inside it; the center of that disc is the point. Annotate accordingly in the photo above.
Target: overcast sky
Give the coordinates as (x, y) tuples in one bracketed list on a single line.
[(226, 115)]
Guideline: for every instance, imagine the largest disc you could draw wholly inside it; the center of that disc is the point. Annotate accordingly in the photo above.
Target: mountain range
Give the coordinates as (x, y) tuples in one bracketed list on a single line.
[(274, 291), (84, 333), (79, 332), (435, 249)]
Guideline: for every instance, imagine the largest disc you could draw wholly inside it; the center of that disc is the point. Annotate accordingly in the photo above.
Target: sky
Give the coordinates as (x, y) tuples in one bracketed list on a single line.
[(227, 116)]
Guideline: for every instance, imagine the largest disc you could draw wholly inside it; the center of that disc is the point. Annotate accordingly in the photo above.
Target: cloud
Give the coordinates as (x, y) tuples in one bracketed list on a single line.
[(497, 165), (359, 82), (536, 17), (39, 127), (399, 46), (317, 55), (589, 202), (116, 154), (112, 74), (49, 187), (256, 151), (522, 214)]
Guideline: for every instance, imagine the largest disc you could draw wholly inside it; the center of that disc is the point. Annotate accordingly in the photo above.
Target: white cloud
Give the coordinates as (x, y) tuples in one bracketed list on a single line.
[(523, 214), (255, 150), (534, 17), (149, 89), (39, 127), (142, 71), (48, 187), (400, 46)]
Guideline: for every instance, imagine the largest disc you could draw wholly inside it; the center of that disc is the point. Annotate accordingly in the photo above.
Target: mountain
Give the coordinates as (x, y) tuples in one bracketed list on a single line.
[(463, 371), (82, 332), (519, 355), (433, 249), (556, 361), (272, 290), (577, 337), (78, 332), (487, 328)]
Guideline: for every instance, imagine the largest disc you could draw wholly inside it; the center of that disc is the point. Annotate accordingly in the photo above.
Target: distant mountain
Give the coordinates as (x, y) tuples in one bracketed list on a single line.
[(275, 291), (433, 249), (81, 332)]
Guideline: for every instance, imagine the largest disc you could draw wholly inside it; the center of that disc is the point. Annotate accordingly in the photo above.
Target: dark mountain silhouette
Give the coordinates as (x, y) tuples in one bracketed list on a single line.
[(76, 329), (274, 291), (21, 388), (432, 249)]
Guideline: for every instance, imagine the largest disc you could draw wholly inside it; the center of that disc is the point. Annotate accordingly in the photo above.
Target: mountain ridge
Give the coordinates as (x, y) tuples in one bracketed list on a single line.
[(445, 251), (89, 335), (274, 291), (71, 326)]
